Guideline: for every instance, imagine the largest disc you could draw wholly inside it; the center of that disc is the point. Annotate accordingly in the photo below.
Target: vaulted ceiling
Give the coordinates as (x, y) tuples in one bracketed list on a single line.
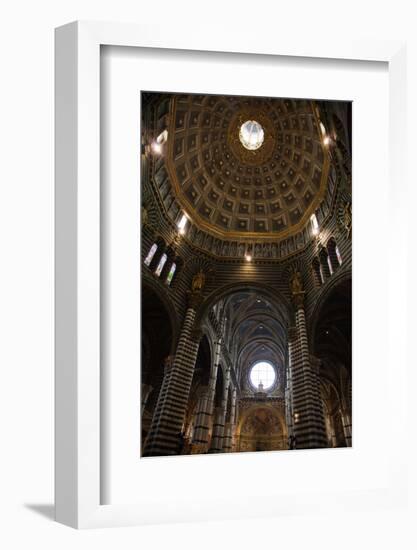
[(231, 191), (236, 198), (256, 329)]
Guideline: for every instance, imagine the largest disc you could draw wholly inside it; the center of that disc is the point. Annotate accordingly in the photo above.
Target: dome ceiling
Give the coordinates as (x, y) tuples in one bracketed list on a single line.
[(229, 190)]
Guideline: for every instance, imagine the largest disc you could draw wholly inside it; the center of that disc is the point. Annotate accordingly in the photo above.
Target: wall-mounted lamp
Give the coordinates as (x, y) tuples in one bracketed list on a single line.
[(315, 228), (156, 148), (248, 253), (327, 140), (157, 145), (181, 224)]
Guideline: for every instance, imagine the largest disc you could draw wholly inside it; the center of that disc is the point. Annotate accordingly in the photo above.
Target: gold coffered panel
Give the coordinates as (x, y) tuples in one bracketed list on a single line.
[(231, 192)]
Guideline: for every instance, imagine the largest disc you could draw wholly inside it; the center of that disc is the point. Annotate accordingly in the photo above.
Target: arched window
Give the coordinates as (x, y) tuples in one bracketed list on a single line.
[(161, 265), (171, 273), (317, 274), (339, 256), (329, 263), (315, 228), (155, 254), (335, 259), (324, 264), (167, 265), (151, 254)]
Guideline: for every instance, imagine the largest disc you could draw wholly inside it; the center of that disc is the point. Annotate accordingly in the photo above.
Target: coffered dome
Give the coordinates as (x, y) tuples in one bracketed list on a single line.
[(246, 168)]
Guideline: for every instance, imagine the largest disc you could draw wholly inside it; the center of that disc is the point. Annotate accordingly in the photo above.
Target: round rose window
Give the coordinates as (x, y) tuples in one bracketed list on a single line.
[(263, 373)]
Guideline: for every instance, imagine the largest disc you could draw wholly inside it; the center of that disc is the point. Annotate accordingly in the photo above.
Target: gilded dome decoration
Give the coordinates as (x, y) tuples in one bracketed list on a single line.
[(246, 168)]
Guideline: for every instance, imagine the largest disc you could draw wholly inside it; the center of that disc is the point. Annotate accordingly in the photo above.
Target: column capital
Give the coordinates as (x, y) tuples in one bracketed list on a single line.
[(298, 299), (194, 299)]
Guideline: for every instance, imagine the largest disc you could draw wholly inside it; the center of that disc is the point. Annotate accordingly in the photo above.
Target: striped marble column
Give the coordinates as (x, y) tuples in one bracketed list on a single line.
[(289, 416), (347, 416), (217, 440), (234, 418), (309, 425), (229, 426), (165, 434), (227, 438), (331, 436), (235, 421), (200, 427), (205, 406), (216, 445), (315, 364), (347, 427)]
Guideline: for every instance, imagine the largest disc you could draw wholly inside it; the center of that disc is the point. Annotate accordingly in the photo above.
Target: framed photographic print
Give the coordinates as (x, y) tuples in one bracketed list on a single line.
[(258, 193), (218, 332)]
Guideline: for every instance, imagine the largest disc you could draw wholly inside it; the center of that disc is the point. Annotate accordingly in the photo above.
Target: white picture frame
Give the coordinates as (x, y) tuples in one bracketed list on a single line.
[(78, 405)]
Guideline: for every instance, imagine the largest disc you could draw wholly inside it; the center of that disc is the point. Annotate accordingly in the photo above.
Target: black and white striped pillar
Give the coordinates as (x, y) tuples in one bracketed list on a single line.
[(308, 417), (230, 426), (331, 435), (347, 415), (234, 418), (217, 440), (216, 445), (289, 416), (347, 427), (165, 435), (201, 423), (205, 406)]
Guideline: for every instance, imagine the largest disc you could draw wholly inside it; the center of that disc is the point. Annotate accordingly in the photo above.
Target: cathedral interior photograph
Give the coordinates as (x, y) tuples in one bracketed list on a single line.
[(246, 274)]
